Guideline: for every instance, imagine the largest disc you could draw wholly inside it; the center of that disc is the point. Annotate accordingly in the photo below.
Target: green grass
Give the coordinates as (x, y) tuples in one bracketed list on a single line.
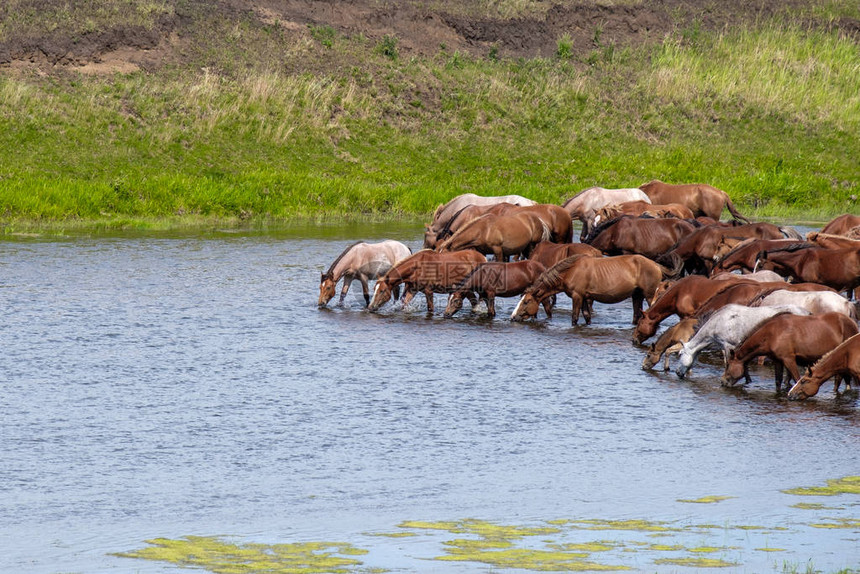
[(767, 112)]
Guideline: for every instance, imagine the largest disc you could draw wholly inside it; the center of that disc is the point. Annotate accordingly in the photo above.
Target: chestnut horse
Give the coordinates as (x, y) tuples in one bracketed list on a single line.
[(755, 292), (362, 261), (548, 253), (638, 208), (842, 224), (434, 235), (495, 279), (444, 213), (671, 341), (788, 340), (602, 279), (836, 268), (556, 218), (426, 272), (501, 235), (702, 199), (584, 205), (646, 236), (831, 241), (844, 360), (744, 254)]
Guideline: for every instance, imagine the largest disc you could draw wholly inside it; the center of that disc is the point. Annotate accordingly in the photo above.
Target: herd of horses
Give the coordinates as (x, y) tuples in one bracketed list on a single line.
[(754, 290)]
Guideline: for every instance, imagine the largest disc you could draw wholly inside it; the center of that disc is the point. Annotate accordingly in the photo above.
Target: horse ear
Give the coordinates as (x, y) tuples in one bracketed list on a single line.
[(322, 277), (427, 226)]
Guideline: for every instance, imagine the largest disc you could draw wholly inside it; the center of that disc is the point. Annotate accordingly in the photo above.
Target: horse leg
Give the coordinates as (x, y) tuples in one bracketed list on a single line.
[(638, 299), (778, 374), (498, 254), (577, 306), (491, 305), (547, 306), (366, 291), (473, 301), (791, 366), (347, 281), (428, 294), (586, 310)]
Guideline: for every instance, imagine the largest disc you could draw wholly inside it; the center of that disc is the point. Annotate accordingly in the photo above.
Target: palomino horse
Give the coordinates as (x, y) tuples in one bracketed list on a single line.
[(501, 235), (646, 236), (548, 253), (842, 224), (822, 300), (844, 360), (727, 328), (602, 279), (445, 212), (762, 276), (584, 205), (702, 199), (426, 272), (434, 235), (670, 342), (495, 279), (638, 208), (362, 261), (788, 340), (698, 248), (836, 268), (744, 254)]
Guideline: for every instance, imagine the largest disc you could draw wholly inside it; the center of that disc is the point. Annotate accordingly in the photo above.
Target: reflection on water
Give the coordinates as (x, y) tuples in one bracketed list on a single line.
[(186, 386)]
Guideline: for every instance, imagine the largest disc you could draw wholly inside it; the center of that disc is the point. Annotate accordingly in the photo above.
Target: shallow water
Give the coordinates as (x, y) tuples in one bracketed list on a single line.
[(187, 385)]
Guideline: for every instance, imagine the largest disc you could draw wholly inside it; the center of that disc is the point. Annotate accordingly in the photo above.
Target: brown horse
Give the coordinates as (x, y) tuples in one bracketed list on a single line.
[(556, 218), (584, 205), (501, 235), (444, 213), (842, 224), (433, 235), (626, 235), (602, 279), (744, 254), (750, 292), (836, 268), (638, 208), (831, 241), (362, 261), (426, 272), (494, 279), (670, 341), (548, 253), (680, 298), (702, 199), (698, 248), (788, 340), (844, 360)]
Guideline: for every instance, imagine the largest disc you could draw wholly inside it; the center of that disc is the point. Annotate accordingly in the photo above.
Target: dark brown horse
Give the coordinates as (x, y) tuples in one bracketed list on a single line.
[(702, 199), (627, 235), (681, 298), (602, 279), (501, 235), (699, 248), (495, 279), (788, 340), (670, 341), (836, 268), (842, 224), (548, 253), (426, 272), (844, 360), (744, 255)]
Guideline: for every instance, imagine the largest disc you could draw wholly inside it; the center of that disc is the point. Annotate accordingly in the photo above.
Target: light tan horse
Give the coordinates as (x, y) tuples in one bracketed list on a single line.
[(444, 213), (603, 279), (362, 261), (501, 235), (702, 199), (585, 204), (844, 360)]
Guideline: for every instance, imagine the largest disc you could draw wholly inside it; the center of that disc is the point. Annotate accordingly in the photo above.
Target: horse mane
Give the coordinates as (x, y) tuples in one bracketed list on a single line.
[(462, 284), (400, 263), (330, 272), (552, 276), (602, 227), (446, 229), (792, 247), (468, 224), (827, 355)]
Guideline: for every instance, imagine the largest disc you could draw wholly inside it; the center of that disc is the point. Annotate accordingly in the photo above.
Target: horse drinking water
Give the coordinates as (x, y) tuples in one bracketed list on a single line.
[(362, 261)]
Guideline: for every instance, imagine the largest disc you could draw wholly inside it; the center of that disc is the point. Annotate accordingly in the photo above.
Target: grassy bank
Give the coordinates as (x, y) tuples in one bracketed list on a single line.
[(768, 112)]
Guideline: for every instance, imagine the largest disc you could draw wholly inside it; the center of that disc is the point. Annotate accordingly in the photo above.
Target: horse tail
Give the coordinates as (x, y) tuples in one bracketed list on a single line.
[(791, 233), (672, 266), (552, 276), (735, 213), (546, 235), (464, 284), (755, 301)]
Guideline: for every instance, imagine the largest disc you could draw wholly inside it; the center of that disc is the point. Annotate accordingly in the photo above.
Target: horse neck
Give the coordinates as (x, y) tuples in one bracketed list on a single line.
[(343, 264), (664, 306)]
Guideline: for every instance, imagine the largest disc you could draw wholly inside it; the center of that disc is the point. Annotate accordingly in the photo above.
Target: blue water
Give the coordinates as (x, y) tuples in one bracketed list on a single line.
[(165, 386)]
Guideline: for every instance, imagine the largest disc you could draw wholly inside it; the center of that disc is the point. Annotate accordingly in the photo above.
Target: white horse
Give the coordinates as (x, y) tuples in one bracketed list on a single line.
[(585, 204), (816, 302), (362, 261), (727, 328)]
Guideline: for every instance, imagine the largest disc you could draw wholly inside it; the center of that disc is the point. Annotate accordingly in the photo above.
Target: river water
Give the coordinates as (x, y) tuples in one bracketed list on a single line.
[(159, 386)]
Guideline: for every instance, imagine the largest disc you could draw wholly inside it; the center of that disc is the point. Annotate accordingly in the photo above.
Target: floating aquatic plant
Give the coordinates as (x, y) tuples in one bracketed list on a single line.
[(846, 485), (814, 506), (638, 525), (696, 562), (850, 523), (529, 559), (222, 557), (705, 499)]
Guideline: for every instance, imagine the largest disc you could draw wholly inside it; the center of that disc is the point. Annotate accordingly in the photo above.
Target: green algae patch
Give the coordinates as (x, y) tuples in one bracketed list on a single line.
[(585, 547), (636, 525), (846, 485), (222, 557), (528, 559), (482, 528), (705, 549), (420, 525), (406, 534), (665, 547), (847, 523), (696, 562), (814, 506), (705, 499), (770, 549)]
